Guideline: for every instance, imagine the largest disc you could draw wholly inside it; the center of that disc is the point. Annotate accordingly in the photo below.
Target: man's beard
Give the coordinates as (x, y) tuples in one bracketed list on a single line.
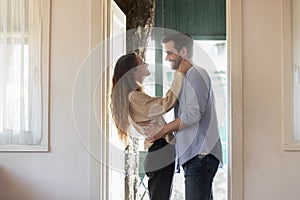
[(176, 63)]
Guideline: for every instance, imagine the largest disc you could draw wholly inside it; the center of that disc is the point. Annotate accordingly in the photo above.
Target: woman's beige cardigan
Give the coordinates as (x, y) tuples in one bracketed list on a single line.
[(144, 108)]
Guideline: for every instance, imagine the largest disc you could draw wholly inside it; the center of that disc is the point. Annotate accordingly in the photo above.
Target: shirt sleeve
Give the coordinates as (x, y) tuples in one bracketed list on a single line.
[(152, 107), (196, 90)]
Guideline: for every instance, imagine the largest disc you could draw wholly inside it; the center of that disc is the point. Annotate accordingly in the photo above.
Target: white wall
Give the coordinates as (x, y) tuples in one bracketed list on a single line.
[(63, 173), (269, 172)]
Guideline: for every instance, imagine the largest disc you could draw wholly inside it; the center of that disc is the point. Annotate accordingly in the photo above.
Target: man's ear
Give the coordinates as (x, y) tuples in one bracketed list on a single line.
[(183, 52)]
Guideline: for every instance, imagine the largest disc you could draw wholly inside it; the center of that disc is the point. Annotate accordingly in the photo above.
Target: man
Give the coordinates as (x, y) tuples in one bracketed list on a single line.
[(198, 145)]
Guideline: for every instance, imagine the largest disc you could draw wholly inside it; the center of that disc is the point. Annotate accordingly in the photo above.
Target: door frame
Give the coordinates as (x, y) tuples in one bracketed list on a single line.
[(235, 94)]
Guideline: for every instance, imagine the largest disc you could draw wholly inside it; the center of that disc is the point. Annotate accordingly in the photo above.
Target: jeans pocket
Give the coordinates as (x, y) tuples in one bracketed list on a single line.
[(211, 165)]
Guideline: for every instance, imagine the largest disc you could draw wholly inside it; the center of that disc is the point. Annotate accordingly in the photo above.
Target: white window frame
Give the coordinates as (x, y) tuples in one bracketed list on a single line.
[(289, 144), (45, 46)]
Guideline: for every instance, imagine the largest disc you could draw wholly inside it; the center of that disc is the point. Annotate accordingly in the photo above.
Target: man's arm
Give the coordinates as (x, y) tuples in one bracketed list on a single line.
[(155, 132)]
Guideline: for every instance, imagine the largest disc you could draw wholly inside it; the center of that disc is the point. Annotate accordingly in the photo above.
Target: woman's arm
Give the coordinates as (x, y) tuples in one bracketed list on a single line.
[(148, 107)]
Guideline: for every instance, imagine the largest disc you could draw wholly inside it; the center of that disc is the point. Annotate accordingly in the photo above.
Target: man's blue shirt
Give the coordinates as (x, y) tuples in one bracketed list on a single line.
[(196, 108)]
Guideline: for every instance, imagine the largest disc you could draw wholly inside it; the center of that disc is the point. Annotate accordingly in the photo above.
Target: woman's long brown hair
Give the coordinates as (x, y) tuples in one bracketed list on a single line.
[(123, 82)]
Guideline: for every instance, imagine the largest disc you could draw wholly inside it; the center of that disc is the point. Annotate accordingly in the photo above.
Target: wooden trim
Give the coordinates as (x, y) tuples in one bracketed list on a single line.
[(235, 70)]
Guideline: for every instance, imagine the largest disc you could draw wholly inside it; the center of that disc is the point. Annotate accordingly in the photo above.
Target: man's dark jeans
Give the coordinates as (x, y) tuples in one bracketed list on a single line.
[(199, 173)]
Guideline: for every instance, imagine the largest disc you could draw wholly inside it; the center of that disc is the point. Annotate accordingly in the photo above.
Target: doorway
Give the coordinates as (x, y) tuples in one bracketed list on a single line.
[(234, 181)]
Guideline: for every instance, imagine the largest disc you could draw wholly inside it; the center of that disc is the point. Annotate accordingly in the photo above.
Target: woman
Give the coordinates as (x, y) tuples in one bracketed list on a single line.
[(130, 105)]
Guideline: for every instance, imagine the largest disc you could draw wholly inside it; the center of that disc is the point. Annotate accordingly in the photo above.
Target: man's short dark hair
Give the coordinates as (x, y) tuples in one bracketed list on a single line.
[(180, 40)]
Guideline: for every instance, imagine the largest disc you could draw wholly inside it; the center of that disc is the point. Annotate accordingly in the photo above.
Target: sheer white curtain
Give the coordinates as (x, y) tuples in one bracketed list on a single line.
[(20, 72)]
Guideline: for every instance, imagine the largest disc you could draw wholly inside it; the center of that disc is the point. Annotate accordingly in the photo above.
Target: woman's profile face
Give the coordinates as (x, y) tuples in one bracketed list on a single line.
[(142, 70)]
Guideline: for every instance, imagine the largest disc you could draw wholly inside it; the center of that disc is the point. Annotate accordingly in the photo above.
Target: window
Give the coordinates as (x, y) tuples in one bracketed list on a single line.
[(24, 50), (290, 54), (296, 66)]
